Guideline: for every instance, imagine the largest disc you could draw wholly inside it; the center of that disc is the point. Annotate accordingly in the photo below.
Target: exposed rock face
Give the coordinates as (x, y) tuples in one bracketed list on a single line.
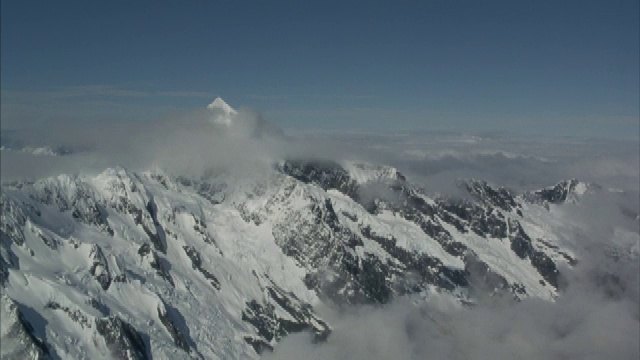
[(167, 318), (17, 335), (155, 262), (498, 197), (99, 267), (12, 220), (562, 192), (558, 193), (196, 262), (492, 217), (272, 327), (122, 339), (324, 174)]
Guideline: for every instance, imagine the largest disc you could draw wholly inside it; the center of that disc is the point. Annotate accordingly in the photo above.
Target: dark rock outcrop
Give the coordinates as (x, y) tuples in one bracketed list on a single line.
[(122, 339)]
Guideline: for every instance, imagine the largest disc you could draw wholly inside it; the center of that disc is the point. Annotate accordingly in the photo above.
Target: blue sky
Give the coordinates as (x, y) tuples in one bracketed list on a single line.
[(550, 67)]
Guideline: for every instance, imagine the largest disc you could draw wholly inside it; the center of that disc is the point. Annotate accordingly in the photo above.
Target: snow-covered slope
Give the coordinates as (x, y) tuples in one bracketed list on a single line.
[(141, 265)]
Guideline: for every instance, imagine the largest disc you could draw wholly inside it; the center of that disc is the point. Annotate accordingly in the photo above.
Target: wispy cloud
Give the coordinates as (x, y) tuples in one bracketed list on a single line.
[(270, 97), (67, 92), (97, 91), (187, 94), (264, 97)]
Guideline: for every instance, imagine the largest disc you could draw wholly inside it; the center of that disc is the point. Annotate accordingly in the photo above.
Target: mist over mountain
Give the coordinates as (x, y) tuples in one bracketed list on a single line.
[(215, 234)]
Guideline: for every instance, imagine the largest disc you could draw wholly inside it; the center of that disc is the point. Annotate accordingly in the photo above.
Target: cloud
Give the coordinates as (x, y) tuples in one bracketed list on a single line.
[(189, 94), (97, 90), (438, 159), (434, 160), (266, 97), (188, 144)]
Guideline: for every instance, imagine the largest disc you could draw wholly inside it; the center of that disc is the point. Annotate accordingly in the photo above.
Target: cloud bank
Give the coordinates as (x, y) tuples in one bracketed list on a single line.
[(192, 144), (433, 159), (189, 144)]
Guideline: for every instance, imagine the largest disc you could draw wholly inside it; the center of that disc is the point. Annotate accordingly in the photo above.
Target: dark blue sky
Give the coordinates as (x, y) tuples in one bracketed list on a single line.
[(551, 67)]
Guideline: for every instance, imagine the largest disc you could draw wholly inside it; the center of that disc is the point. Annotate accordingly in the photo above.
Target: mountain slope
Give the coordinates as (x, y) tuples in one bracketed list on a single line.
[(141, 265)]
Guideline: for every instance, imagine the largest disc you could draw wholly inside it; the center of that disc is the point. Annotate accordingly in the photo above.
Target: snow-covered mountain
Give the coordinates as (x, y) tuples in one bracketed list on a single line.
[(140, 265), (222, 113)]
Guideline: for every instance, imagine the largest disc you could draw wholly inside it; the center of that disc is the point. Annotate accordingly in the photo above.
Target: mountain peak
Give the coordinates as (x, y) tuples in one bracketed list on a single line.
[(219, 104), (221, 112)]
